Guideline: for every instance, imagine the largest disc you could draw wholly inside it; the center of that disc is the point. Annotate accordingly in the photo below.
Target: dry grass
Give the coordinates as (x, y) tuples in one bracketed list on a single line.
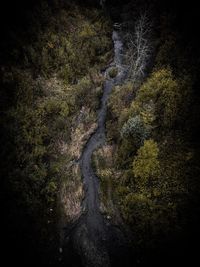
[(105, 170), (72, 194), (71, 190)]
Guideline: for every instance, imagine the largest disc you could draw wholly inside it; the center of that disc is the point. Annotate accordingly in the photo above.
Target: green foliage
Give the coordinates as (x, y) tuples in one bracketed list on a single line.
[(54, 106), (70, 44), (51, 85), (87, 31), (160, 98), (135, 129), (119, 101), (146, 164), (153, 186), (126, 150), (113, 72)]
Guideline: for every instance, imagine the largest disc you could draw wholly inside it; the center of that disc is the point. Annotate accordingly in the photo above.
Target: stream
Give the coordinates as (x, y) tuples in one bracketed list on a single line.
[(94, 239), (91, 184)]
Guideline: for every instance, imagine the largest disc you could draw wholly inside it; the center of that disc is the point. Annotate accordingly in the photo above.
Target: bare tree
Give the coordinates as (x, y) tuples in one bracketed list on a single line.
[(139, 48)]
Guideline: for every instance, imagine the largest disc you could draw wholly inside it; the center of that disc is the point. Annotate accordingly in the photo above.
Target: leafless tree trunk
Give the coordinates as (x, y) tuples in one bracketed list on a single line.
[(139, 48)]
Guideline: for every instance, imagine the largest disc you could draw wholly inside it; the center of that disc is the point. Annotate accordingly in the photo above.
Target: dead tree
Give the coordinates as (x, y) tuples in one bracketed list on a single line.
[(139, 48)]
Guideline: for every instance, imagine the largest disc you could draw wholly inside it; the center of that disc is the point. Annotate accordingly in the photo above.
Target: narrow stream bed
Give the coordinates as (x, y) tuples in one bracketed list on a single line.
[(91, 202), (94, 239)]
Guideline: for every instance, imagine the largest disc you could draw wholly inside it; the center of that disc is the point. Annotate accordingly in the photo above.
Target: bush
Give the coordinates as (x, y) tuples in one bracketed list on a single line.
[(120, 99), (146, 164), (113, 72), (135, 129)]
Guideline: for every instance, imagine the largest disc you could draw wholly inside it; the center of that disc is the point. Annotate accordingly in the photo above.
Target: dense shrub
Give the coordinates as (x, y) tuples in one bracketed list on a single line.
[(160, 98), (146, 164), (135, 129), (113, 72)]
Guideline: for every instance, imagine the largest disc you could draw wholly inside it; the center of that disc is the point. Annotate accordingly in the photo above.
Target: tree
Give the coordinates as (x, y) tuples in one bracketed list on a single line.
[(139, 48), (135, 129), (161, 98), (146, 164)]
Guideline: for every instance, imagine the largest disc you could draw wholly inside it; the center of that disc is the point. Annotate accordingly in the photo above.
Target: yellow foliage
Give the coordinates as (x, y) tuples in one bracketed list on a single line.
[(159, 97), (146, 164), (87, 31)]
